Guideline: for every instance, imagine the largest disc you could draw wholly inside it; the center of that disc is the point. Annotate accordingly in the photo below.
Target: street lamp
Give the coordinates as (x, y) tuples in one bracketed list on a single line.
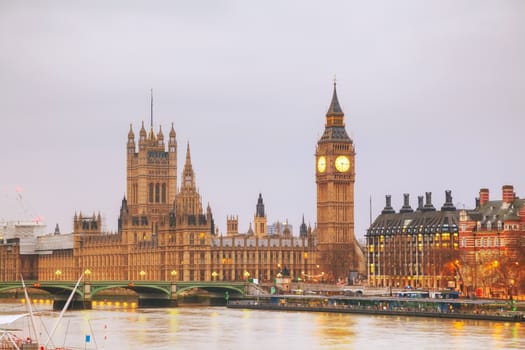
[(246, 276), (459, 276), (142, 273), (173, 274), (214, 275), (87, 272), (58, 273), (494, 279)]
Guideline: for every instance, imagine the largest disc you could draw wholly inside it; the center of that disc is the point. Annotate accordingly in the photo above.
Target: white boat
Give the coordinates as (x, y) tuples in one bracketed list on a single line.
[(12, 338)]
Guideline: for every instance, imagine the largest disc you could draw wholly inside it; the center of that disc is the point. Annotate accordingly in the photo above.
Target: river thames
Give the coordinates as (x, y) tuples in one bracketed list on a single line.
[(221, 328)]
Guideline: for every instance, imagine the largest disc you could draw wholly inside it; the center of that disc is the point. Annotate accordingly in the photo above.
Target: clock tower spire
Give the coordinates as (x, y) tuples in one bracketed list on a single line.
[(338, 251)]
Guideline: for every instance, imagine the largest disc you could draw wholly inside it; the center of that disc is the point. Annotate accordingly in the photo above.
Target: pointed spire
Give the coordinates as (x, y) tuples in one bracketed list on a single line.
[(172, 143), (259, 209), (160, 137), (335, 122), (335, 108), (131, 134), (303, 230), (188, 156), (142, 137), (152, 136), (151, 114), (188, 175)]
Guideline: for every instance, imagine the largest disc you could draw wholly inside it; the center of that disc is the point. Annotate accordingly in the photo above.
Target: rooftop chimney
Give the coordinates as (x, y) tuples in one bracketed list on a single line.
[(508, 194), (406, 204), (483, 196), (419, 203), (448, 206), (388, 206), (428, 205)]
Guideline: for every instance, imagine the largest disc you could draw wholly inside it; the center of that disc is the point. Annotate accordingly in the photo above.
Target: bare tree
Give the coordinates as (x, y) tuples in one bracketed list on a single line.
[(338, 260), (449, 262)]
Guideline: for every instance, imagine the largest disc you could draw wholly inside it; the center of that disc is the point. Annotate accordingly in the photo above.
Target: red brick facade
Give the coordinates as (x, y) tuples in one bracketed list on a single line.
[(491, 244)]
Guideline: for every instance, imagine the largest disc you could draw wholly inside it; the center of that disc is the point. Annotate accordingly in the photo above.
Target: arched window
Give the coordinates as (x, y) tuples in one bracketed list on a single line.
[(164, 193), (151, 193), (157, 193)]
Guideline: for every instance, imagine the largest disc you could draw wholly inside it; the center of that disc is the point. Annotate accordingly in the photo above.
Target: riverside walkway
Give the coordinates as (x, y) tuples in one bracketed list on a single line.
[(478, 309)]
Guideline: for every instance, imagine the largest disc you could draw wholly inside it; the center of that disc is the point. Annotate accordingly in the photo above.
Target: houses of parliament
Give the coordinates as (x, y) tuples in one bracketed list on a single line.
[(165, 234)]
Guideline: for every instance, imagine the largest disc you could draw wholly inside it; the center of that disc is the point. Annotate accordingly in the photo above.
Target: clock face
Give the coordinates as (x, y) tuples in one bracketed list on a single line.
[(342, 164), (321, 164)]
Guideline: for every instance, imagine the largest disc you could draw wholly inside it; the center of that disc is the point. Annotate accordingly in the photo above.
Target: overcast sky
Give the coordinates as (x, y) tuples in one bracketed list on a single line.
[(433, 94)]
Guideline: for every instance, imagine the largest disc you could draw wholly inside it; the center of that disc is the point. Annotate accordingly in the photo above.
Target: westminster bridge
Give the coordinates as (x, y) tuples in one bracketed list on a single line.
[(149, 293)]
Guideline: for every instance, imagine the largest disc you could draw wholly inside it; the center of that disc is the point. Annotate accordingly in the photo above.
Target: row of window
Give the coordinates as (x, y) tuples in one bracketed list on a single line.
[(483, 242), (157, 193)]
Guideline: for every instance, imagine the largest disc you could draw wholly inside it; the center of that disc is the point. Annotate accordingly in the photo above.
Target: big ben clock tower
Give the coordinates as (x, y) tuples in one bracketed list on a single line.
[(338, 251)]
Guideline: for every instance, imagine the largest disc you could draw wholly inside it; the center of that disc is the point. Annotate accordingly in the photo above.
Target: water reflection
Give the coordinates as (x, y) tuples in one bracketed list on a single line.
[(221, 328)]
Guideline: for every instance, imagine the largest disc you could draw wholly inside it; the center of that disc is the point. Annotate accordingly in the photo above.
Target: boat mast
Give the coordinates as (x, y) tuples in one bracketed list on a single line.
[(29, 305), (63, 310)]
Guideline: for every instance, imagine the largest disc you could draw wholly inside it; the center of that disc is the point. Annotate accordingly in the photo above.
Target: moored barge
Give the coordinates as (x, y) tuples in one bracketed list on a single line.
[(473, 309)]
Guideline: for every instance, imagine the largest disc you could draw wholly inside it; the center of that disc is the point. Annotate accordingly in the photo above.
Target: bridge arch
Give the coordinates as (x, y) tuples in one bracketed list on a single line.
[(140, 289), (52, 288), (238, 288)]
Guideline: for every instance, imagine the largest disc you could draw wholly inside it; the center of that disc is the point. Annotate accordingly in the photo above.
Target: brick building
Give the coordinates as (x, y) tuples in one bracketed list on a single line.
[(492, 244)]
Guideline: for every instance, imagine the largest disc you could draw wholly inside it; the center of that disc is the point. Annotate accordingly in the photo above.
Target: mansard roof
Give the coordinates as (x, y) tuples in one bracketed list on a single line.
[(425, 222), (498, 210), (335, 133)]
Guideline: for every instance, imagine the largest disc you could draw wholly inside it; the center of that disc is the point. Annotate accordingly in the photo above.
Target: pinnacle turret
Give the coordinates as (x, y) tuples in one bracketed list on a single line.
[(131, 134), (142, 130), (188, 176), (335, 122), (160, 135), (172, 132), (259, 209), (335, 108)]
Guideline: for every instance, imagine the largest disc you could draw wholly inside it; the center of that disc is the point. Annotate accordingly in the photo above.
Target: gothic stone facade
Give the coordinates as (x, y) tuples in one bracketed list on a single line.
[(165, 234)]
